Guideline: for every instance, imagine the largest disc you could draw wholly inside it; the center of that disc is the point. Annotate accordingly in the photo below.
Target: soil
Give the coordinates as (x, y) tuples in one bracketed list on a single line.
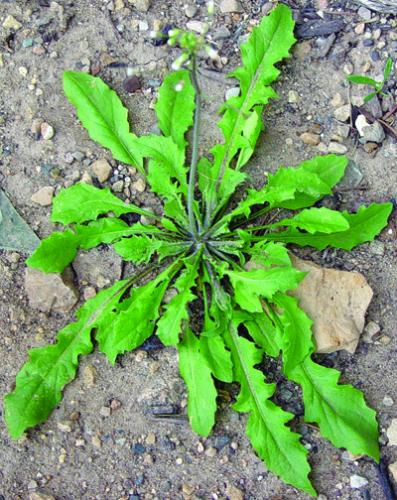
[(103, 441)]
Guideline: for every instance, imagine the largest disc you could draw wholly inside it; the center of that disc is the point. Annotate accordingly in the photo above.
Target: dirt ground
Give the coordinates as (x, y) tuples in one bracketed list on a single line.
[(103, 441)]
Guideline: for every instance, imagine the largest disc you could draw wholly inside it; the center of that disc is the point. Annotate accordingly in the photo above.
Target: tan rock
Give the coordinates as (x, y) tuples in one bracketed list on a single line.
[(337, 148), (10, 23), (89, 376), (234, 493), (50, 291), (342, 113), (392, 433), (102, 170), (336, 301), (309, 138), (43, 196), (393, 470)]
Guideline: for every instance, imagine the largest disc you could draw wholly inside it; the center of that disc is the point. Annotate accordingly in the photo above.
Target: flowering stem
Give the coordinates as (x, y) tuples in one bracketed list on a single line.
[(195, 147)]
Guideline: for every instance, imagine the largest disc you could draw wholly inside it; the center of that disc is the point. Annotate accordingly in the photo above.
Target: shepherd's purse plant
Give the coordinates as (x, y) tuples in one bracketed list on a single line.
[(200, 246)]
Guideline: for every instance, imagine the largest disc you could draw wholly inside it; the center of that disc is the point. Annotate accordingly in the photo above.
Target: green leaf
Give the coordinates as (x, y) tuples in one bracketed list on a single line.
[(83, 202), (364, 226), (250, 286), (314, 220), (217, 357), (362, 80), (388, 69), (55, 252), (263, 333), (137, 249), (170, 324), (135, 323), (103, 115), (269, 254), (339, 410), (40, 382), (267, 45), (202, 394), (369, 97), (175, 107), (275, 443)]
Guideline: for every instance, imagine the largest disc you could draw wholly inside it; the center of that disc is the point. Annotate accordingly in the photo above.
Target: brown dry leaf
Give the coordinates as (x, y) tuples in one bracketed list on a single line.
[(336, 301)]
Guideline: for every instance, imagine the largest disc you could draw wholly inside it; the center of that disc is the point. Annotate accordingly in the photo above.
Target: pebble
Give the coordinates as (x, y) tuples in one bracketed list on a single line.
[(64, 426), (143, 25), (102, 170), (43, 196), (89, 292), (118, 186), (141, 5), (89, 376), (179, 461), (357, 482), (139, 185), (293, 97), (32, 485), (138, 449), (200, 447), (49, 292), (86, 178), (23, 71), (342, 113), (371, 329), (40, 496), (368, 42), (105, 411), (228, 6), (10, 23), (393, 470), (234, 493), (211, 452), (359, 29), (115, 404), (190, 11), (232, 92), (385, 340), (196, 26), (337, 100), (95, 440), (336, 148), (387, 401), (392, 433), (47, 131), (309, 138), (187, 489), (375, 55), (364, 13), (150, 438), (221, 33), (372, 133)]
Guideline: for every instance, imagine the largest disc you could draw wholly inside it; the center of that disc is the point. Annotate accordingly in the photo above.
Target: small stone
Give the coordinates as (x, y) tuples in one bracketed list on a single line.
[(151, 438), (392, 433), (115, 404), (143, 25), (95, 440), (187, 489), (336, 148), (228, 6), (138, 449), (200, 447), (43, 196), (105, 411), (139, 185), (23, 71), (141, 5), (370, 330), (79, 443), (309, 138), (32, 485), (64, 426), (49, 291), (348, 68), (393, 470), (385, 340), (221, 33), (343, 131), (190, 11), (118, 187), (233, 92), (118, 5), (293, 97), (357, 482), (234, 493), (102, 170), (196, 26), (86, 178), (359, 29), (342, 113), (372, 133), (364, 13), (360, 123), (337, 101), (40, 496), (89, 292), (387, 401), (179, 461), (132, 84), (211, 452), (89, 376), (47, 131), (10, 23)]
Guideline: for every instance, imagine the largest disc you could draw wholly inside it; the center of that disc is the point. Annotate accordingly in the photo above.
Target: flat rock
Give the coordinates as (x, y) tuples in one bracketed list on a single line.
[(102, 170), (227, 6), (43, 196), (99, 267), (392, 433), (336, 301), (357, 482), (342, 113), (50, 291)]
